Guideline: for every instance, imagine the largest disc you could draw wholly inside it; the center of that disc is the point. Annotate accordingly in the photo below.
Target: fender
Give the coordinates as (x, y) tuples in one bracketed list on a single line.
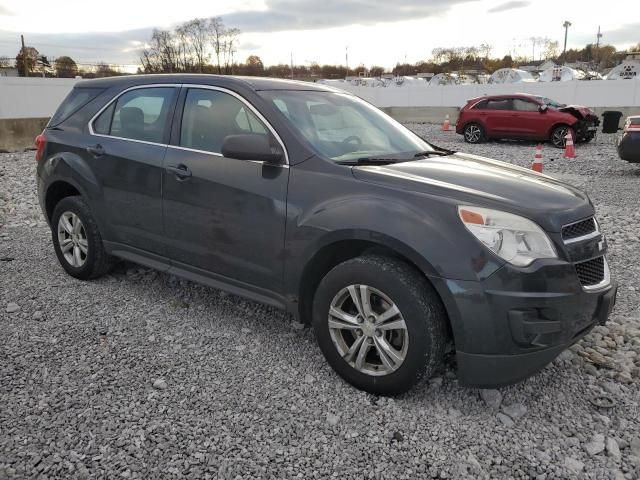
[(69, 167), (421, 236)]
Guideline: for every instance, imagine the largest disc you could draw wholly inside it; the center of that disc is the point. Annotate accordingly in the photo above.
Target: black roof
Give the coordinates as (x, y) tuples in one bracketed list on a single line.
[(255, 83)]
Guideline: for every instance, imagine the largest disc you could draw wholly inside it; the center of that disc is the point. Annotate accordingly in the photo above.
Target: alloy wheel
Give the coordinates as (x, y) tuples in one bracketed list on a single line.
[(472, 133), (72, 238), (368, 330), (558, 137)]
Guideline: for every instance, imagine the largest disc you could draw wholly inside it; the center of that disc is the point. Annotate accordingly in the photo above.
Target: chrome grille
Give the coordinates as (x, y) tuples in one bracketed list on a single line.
[(579, 229), (591, 272)]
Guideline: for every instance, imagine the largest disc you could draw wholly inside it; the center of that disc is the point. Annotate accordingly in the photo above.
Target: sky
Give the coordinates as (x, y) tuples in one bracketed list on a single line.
[(381, 32)]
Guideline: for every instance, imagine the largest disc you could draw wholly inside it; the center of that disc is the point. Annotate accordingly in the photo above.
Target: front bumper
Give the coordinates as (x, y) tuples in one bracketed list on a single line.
[(512, 324)]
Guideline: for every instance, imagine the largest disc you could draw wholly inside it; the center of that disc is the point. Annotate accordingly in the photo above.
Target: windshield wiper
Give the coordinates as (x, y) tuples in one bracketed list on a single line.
[(369, 161), (439, 153)]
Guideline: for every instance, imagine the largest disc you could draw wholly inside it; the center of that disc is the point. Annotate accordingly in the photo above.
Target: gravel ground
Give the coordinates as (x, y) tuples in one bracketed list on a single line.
[(141, 375)]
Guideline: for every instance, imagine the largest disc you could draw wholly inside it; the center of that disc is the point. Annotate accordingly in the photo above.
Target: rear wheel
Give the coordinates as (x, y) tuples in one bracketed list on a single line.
[(473, 133), (77, 241), (379, 324), (558, 135)]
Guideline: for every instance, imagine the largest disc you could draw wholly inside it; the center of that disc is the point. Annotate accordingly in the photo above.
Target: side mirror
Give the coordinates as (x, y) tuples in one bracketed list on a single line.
[(542, 108), (251, 146)]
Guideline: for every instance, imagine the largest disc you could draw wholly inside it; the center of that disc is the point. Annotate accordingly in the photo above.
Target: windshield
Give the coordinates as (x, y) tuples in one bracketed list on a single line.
[(551, 103), (343, 127)]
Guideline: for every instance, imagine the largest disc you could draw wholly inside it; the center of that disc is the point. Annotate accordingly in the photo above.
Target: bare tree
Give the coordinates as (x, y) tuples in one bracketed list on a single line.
[(230, 41), (195, 33), (216, 38)]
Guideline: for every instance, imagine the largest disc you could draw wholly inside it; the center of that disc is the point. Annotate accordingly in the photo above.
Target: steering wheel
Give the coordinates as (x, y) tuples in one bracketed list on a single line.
[(351, 139)]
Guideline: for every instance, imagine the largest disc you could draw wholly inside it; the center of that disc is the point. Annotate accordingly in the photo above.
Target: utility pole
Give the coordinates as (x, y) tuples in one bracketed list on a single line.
[(597, 53), (346, 59), (566, 26), (291, 65)]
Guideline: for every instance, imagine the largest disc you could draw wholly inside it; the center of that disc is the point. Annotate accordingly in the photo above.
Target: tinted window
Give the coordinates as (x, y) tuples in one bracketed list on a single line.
[(499, 104), (524, 105), (102, 124), (140, 114), (480, 105), (77, 98), (209, 116)]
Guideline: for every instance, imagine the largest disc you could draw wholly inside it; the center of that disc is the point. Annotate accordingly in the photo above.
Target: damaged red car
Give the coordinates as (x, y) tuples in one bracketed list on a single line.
[(525, 117)]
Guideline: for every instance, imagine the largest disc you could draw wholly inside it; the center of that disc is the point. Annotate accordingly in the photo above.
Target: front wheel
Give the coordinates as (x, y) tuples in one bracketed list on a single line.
[(473, 133), (558, 135), (379, 324)]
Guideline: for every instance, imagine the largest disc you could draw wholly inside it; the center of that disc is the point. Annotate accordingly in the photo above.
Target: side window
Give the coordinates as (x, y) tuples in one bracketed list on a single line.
[(499, 104), (282, 107), (524, 105), (140, 114), (102, 124), (248, 122), (480, 105), (77, 98), (210, 116)]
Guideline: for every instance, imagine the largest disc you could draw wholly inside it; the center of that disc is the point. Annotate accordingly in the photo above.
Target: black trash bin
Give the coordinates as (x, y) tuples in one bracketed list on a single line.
[(611, 121)]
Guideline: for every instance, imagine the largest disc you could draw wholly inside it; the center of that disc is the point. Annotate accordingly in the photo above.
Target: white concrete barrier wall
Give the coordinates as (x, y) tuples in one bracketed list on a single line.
[(601, 93), (32, 97), (39, 97)]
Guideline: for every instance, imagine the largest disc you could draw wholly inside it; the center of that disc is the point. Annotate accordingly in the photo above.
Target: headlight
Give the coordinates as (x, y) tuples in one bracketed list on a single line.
[(515, 239)]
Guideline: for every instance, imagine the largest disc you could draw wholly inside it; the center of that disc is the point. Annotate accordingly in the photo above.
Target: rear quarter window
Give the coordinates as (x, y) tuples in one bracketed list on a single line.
[(77, 98)]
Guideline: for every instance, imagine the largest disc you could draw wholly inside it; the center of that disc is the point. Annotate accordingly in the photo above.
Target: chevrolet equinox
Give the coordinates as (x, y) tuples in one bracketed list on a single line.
[(309, 199)]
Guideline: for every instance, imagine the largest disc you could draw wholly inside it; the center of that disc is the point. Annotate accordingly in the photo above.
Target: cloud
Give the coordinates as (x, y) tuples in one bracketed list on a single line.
[(5, 11), (624, 35), (620, 37), (283, 15), (110, 47), (246, 46), (503, 7)]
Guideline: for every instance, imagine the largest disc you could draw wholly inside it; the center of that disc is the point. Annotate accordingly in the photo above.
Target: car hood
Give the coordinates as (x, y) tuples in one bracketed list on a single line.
[(584, 111), (466, 178)]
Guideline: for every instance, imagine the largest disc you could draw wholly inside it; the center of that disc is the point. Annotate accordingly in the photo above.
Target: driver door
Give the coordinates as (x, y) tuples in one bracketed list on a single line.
[(223, 217)]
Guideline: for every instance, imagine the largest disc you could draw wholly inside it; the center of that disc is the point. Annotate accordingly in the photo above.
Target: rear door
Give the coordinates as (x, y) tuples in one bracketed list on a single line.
[(127, 144), (498, 117), (223, 217)]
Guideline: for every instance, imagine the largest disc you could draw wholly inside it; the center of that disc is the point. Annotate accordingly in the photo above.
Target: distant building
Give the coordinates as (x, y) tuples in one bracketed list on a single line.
[(9, 72)]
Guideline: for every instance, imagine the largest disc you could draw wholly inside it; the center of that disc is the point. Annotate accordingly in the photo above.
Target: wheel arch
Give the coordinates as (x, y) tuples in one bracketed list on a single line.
[(559, 124), (56, 191), (337, 250)]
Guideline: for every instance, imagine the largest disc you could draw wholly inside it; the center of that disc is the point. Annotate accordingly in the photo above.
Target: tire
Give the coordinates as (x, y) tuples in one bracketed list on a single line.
[(85, 240), (557, 135), (587, 138), (418, 349), (474, 133)]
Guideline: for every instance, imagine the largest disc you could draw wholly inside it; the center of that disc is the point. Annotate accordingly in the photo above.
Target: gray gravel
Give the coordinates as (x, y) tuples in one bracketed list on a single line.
[(141, 375)]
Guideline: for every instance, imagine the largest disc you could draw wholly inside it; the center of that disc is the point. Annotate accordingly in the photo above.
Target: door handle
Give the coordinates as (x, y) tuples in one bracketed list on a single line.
[(96, 150), (181, 171)]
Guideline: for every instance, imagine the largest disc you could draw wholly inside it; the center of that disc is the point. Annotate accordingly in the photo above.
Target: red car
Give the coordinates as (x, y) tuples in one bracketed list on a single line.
[(525, 117)]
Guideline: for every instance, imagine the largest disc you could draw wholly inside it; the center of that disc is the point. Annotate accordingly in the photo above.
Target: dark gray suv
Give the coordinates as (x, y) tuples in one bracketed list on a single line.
[(311, 200)]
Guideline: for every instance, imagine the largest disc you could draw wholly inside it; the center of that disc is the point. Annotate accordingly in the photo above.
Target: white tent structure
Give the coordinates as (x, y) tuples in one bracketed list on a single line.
[(406, 81), (510, 75), (444, 79), (561, 74), (627, 70)]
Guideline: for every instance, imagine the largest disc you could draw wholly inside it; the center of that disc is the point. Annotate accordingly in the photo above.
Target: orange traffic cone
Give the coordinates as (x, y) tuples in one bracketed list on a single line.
[(445, 124), (569, 149), (536, 166)]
